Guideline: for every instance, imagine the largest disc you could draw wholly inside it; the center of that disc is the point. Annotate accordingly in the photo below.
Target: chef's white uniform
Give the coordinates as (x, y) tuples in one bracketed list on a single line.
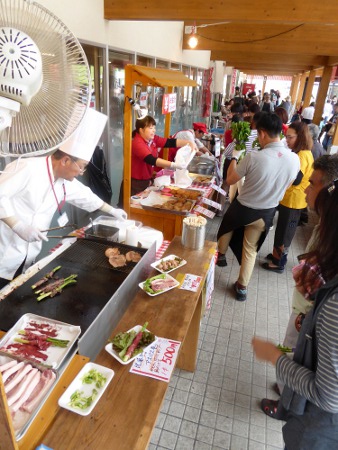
[(26, 192)]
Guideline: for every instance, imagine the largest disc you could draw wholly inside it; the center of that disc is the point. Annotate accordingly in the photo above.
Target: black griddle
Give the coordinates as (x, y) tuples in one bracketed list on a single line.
[(77, 304)]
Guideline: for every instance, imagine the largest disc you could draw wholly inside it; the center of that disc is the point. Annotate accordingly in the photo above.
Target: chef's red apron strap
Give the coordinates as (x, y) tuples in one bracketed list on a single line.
[(59, 205)]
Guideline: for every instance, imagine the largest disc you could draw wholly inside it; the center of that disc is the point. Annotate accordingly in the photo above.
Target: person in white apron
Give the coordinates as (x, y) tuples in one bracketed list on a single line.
[(32, 189)]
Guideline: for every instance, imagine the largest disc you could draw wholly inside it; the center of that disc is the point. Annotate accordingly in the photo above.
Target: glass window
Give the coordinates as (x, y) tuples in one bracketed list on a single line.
[(116, 64)]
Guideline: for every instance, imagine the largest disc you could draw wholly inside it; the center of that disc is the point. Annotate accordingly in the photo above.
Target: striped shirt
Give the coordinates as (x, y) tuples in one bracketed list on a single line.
[(319, 387)]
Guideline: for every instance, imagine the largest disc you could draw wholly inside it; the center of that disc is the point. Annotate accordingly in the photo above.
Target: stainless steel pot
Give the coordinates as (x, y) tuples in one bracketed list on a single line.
[(201, 166)]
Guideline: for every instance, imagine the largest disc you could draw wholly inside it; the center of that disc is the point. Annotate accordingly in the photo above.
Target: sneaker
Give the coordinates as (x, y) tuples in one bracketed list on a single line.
[(221, 260), (241, 293)]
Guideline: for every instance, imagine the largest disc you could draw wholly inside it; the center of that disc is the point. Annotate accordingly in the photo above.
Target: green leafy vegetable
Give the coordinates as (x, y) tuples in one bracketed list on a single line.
[(80, 401), (93, 376), (240, 132), (284, 349), (122, 341), (147, 283)]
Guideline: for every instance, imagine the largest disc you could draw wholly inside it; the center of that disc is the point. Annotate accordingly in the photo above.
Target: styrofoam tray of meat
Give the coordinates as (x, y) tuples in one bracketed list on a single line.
[(159, 284), (41, 333), (26, 388), (168, 263)]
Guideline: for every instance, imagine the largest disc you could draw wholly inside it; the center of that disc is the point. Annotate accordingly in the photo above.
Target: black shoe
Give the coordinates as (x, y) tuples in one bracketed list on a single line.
[(269, 407), (266, 266), (269, 257), (241, 293), (275, 387), (221, 260)]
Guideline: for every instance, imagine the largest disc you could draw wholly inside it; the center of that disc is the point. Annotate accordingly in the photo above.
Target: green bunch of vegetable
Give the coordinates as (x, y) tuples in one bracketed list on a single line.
[(93, 376), (122, 341), (80, 401), (284, 349), (240, 132)]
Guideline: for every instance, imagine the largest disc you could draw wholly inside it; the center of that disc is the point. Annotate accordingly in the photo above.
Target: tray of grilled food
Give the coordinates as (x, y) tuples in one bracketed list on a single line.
[(157, 201)]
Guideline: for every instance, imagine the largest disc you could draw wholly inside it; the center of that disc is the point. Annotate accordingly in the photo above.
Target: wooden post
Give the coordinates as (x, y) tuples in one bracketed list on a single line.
[(294, 88), (301, 89), (263, 87), (167, 125), (308, 89), (322, 94), (7, 435)]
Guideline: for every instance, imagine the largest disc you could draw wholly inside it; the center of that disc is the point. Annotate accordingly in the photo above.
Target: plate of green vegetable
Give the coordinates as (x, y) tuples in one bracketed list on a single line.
[(126, 346), (86, 389)]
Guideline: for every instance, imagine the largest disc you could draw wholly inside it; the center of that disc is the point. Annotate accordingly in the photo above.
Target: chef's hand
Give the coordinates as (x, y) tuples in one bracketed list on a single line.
[(237, 154), (176, 165), (118, 213), (28, 233)]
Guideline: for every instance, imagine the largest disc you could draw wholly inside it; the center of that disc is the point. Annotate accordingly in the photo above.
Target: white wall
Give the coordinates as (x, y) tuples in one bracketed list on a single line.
[(160, 39)]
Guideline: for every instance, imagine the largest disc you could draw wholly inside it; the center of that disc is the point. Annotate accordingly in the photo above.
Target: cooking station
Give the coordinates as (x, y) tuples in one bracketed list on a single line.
[(127, 412)]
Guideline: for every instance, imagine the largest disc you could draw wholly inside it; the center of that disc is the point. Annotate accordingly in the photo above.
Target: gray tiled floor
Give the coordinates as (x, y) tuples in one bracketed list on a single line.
[(217, 406)]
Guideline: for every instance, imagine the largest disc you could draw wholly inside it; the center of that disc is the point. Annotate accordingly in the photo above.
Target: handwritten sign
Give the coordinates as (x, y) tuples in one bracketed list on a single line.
[(158, 360), (204, 211), (169, 103), (209, 202), (191, 282), (218, 189)]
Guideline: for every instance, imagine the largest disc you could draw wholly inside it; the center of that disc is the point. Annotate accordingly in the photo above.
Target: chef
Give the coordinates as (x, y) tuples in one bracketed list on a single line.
[(33, 189)]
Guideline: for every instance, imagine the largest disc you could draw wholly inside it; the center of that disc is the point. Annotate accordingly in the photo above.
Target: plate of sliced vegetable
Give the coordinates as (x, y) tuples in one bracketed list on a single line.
[(158, 284), (86, 389), (168, 263), (126, 346)]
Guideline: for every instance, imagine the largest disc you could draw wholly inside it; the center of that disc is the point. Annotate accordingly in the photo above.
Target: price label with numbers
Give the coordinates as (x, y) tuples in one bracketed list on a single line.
[(209, 202), (204, 211), (218, 189), (158, 360)]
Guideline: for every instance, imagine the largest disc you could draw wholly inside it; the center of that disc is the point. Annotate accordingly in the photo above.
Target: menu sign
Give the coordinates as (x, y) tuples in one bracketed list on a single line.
[(158, 360), (169, 103)]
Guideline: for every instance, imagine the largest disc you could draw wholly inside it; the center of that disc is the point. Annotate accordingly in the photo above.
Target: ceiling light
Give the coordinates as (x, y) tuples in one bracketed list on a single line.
[(193, 41)]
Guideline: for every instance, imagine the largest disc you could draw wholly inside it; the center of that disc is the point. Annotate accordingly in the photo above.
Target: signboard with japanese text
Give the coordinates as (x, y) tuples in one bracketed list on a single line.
[(144, 99), (247, 88), (169, 103)]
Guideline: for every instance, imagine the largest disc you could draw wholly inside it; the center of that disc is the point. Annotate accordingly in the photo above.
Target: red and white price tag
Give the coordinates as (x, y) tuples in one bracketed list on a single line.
[(158, 360), (218, 189), (209, 202), (191, 282), (204, 211)]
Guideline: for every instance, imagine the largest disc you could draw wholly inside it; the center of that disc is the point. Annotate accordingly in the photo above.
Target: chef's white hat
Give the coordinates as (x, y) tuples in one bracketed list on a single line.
[(83, 141)]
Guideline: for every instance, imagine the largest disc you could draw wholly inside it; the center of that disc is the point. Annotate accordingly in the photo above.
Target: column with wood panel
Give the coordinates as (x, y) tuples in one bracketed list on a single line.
[(322, 94), (308, 89), (301, 88)]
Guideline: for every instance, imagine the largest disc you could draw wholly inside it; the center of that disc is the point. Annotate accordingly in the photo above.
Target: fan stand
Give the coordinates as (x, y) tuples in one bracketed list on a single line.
[(6, 426)]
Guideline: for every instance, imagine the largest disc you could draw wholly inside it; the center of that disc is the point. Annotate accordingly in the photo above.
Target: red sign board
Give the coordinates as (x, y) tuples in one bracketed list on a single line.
[(247, 88), (169, 103)]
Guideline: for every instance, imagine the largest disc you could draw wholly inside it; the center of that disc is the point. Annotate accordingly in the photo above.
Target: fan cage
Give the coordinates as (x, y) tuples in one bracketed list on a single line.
[(54, 113)]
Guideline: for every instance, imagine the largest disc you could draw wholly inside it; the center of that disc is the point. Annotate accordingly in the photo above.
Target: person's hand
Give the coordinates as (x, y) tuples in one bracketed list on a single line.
[(176, 165), (28, 233), (119, 214), (265, 351), (193, 146), (237, 153)]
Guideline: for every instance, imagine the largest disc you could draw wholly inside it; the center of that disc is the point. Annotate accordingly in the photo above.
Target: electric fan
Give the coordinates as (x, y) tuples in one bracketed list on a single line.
[(45, 84)]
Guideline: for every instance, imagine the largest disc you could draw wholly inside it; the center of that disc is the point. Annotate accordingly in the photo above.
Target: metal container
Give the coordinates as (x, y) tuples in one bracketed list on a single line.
[(193, 237), (201, 166)]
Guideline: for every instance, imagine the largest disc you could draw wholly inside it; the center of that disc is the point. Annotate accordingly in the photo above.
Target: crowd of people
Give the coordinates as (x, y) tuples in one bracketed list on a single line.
[(287, 172)]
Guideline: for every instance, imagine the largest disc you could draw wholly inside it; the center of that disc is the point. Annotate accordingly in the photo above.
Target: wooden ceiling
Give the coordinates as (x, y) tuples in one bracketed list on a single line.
[(257, 36)]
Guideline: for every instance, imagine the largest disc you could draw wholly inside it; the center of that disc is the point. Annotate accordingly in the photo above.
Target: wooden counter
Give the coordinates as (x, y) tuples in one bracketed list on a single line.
[(126, 414)]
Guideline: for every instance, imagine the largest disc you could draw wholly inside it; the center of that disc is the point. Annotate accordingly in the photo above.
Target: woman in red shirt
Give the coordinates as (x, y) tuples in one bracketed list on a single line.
[(144, 153)]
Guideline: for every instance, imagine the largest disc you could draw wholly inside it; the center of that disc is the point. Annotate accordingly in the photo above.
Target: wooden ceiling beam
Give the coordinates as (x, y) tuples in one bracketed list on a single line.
[(268, 10)]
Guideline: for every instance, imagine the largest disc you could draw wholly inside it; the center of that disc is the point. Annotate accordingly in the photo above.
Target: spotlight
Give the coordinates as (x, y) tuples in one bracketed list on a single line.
[(193, 41)]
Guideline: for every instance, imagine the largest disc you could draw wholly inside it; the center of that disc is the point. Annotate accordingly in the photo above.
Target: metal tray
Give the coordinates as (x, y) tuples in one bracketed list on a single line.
[(169, 211), (55, 355), (104, 232), (27, 418)]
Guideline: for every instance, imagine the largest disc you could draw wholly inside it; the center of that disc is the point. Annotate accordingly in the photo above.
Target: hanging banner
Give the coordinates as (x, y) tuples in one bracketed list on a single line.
[(235, 74), (169, 103), (206, 94), (247, 88)]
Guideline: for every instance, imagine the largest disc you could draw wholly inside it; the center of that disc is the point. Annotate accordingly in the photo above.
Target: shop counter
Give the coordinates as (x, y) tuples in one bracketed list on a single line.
[(126, 414)]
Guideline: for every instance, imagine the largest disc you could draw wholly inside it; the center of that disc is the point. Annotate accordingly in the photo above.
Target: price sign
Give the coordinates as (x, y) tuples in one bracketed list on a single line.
[(218, 189), (191, 282), (169, 103), (158, 360), (204, 211), (209, 202)]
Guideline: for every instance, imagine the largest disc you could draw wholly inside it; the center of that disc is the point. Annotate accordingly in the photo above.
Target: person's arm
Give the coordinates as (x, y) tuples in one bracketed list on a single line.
[(183, 142), (232, 175)]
